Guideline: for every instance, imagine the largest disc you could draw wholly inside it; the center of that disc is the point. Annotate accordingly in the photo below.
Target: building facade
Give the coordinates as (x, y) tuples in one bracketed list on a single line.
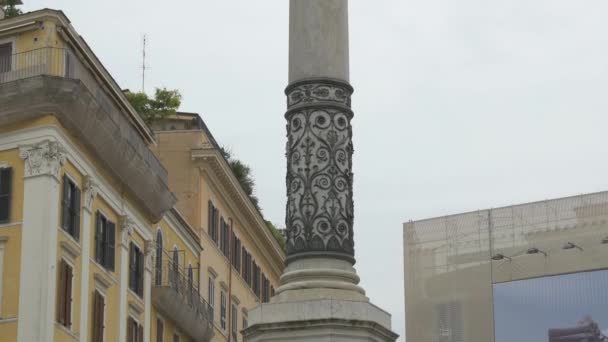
[(243, 261), (91, 246), (529, 272)]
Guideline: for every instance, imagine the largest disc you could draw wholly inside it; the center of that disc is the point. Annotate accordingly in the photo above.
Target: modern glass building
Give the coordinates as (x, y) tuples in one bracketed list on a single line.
[(529, 273)]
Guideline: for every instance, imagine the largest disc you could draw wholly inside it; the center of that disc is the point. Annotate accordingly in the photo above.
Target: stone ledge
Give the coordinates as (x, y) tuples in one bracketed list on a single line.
[(320, 330), (319, 310)]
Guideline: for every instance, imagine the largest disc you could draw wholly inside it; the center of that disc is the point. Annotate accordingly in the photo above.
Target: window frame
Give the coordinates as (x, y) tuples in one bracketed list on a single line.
[(136, 269), (223, 310), (69, 308), (106, 257), (71, 224), (103, 318), (12, 41)]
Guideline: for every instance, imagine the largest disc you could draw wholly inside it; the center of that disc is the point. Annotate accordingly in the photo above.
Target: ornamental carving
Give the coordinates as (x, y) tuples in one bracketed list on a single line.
[(315, 92), (319, 215), (127, 225), (43, 158), (90, 191)]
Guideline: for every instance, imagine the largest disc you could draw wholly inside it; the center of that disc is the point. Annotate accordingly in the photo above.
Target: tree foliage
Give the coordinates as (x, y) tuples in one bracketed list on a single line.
[(276, 233), (10, 9), (165, 103)]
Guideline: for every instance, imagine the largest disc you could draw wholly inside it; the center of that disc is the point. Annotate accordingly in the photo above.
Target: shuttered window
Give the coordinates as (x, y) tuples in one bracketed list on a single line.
[(223, 310), (136, 270), (225, 237), (160, 330), (213, 222), (6, 51), (256, 279), (211, 299), (64, 294), (265, 289), (105, 241), (70, 208), (135, 332), (98, 317), (236, 252), (6, 177), (234, 322)]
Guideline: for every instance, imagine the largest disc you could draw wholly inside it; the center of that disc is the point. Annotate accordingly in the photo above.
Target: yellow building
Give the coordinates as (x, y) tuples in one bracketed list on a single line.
[(91, 248), (242, 262)]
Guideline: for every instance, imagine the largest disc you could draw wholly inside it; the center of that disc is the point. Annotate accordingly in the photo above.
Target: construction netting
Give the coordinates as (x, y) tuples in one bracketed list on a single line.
[(453, 262)]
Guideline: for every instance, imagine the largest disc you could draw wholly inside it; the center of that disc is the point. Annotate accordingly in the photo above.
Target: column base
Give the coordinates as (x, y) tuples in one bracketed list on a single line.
[(320, 320), (319, 300)]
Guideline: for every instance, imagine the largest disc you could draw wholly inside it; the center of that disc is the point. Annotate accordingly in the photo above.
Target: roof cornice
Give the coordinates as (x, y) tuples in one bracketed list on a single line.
[(211, 160)]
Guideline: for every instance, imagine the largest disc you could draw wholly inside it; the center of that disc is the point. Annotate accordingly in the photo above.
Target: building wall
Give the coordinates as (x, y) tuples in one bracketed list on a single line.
[(195, 184), (451, 263)]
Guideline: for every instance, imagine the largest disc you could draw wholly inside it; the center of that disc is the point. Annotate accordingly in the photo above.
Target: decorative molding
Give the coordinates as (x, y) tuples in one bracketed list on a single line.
[(319, 212), (69, 251), (234, 299), (43, 158), (212, 272), (90, 192), (101, 283), (136, 307), (4, 165), (127, 226)]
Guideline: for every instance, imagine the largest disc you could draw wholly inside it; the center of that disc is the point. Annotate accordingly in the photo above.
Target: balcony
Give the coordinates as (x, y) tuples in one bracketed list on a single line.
[(92, 108), (175, 294)]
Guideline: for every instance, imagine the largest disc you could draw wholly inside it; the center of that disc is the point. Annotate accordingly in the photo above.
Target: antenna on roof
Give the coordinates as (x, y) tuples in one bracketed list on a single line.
[(143, 64)]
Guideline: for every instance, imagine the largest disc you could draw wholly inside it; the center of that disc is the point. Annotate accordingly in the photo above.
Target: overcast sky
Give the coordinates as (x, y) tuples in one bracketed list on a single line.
[(459, 104)]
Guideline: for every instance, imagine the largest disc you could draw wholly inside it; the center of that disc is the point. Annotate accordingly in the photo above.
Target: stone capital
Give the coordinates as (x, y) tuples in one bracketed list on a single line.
[(127, 225), (90, 191), (43, 158)]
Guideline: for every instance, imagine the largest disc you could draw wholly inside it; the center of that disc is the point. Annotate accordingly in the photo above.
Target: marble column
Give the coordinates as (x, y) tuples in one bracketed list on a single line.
[(319, 298)]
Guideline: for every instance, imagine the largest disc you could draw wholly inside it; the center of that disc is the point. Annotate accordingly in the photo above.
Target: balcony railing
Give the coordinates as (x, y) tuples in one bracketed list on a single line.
[(65, 64), (175, 292)]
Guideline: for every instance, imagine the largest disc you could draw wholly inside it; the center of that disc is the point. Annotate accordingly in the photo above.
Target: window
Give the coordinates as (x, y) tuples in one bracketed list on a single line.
[(224, 237), (223, 310), (246, 266), (211, 290), (136, 270), (158, 273), (70, 208), (234, 322), (236, 252), (160, 330), (6, 175), (135, 332), (64, 294), (98, 317), (6, 52), (265, 289), (271, 291), (245, 322), (104, 241), (256, 279), (213, 218), (175, 338)]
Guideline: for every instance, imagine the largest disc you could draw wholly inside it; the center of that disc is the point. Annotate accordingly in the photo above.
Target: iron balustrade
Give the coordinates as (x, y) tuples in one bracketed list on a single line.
[(172, 276)]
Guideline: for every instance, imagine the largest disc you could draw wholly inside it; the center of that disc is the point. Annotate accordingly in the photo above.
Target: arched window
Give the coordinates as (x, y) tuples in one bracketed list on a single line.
[(175, 267), (158, 279)]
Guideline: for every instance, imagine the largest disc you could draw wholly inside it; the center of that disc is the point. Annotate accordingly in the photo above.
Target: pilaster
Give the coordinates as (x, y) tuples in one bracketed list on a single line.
[(125, 230), (150, 254), (90, 189), (43, 162)]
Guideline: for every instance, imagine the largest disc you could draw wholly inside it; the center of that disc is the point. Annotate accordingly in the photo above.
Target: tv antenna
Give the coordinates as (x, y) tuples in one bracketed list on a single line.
[(143, 64)]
